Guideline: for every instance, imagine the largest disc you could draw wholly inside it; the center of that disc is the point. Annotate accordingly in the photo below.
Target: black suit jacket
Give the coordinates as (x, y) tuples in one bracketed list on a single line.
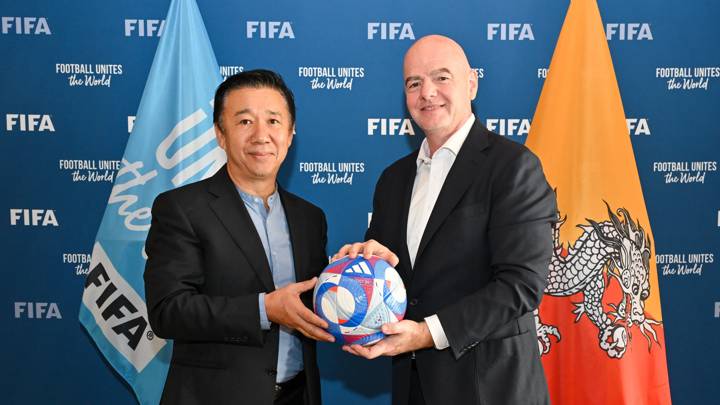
[(206, 266), (481, 267)]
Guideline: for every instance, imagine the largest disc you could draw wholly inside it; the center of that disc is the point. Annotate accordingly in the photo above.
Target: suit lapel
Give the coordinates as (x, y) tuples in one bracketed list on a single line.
[(408, 179), (231, 211), (463, 172), (294, 217)]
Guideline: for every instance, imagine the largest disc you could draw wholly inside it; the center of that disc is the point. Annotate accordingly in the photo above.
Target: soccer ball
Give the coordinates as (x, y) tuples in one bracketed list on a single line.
[(357, 296)]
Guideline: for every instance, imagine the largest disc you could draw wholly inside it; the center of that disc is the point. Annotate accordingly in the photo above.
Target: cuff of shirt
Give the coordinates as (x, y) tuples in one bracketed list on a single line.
[(436, 331), (264, 321)]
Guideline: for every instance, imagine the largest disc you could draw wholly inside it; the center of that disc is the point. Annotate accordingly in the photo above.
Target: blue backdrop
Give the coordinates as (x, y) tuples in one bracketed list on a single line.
[(72, 74)]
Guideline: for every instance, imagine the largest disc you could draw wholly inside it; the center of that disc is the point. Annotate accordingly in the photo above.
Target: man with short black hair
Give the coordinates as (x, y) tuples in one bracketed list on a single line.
[(230, 256)]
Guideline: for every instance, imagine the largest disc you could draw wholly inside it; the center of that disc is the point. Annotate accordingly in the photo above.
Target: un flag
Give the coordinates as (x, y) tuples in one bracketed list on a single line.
[(172, 143)]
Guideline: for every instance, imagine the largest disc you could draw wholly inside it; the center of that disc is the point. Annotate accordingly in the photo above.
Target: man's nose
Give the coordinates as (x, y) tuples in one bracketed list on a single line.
[(428, 90), (261, 133)]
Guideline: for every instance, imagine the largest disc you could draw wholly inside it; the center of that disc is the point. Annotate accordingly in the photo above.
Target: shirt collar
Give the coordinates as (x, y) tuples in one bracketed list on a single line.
[(453, 144), (255, 200)]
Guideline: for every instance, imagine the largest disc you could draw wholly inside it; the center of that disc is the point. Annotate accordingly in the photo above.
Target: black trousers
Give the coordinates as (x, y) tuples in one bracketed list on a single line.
[(291, 392), (416, 395)]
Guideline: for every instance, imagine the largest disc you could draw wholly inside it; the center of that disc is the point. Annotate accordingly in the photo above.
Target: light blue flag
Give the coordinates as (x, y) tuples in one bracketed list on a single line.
[(172, 143)]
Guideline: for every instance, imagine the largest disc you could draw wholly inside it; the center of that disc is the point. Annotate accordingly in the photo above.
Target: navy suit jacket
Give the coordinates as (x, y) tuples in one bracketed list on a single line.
[(481, 267)]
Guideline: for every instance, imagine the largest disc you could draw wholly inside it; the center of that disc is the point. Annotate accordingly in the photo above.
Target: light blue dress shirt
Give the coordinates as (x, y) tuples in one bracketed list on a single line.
[(271, 225)]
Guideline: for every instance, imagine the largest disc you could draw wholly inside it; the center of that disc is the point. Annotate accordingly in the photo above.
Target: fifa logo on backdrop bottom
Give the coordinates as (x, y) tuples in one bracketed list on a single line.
[(32, 217), (144, 28), (390, 30), (628, 31), (510, 32), (270, 29), (37, 310), (25, 25), (29, 122), (390, 126), (717, 309)]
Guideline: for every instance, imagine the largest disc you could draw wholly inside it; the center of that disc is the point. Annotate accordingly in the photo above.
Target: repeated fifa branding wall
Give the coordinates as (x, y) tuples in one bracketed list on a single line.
[(73, 73)]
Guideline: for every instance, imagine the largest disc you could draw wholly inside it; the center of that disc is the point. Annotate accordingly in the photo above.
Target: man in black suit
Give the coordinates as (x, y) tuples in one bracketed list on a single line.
[(228, 260), (467, 219)]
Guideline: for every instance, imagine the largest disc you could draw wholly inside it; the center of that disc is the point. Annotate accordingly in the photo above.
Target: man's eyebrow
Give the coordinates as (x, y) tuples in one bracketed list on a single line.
[(243, 111), (432, 73), (249, 111)]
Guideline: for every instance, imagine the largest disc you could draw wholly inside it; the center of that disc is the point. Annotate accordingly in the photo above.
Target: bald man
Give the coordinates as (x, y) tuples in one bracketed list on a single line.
[(467, 221)]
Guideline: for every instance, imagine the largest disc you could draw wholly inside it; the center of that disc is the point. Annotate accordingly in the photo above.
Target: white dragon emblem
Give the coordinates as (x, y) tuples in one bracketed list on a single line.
[(621, 247)]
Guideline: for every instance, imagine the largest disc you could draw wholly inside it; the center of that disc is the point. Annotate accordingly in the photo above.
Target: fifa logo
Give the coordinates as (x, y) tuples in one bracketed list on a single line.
[(628, 31), (510, 32), (392, 30), (638, 126), (270, 30), (390, 126), (32, 217), (37, 310), (25, 25), (128, 321), (509, 126), (144, 28), (717, 309), (130, 123), (29, 123)]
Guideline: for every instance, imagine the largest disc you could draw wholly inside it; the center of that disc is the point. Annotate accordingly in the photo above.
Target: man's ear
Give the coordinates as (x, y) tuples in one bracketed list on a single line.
[(473, 78), (292, 136), (220, 136)]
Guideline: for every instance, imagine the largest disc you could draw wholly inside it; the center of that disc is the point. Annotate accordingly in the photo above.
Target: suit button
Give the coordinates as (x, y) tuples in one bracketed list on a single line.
[(414, 302)]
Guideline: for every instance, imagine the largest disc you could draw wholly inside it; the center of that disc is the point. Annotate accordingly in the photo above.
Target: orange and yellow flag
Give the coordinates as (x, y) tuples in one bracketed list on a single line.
[(599, 326)]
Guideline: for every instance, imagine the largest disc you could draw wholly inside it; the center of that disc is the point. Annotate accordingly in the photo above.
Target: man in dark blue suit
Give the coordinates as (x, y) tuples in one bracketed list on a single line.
[(467, 220)]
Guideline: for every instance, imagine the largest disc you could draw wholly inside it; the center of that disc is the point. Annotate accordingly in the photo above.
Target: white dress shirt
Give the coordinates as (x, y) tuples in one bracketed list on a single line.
[(429, 179)]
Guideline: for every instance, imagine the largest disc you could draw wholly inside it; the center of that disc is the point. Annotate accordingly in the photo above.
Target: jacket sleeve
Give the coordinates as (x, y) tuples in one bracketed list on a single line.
[(374, 230), (173, 276), (523, 210)]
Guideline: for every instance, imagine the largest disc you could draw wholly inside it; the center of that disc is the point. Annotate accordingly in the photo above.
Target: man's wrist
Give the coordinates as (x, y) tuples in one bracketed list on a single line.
[(426, 339)]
